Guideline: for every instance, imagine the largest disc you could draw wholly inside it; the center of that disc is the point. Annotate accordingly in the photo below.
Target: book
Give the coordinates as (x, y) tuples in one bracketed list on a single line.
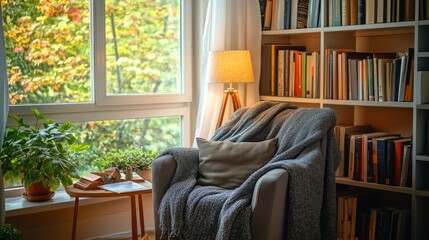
[(122, 187), (90, 181), (343, 132), (399, 155), (302, 14), (268, 15), (381, 159), (281, 73), (294, 14), (406, 166), (269, 73), (262, 6), (287, 14), (353, 12), (390, 161), (336, 13), (361, 12), (381, 11), (345, 12), (365, 157), (370, 10)]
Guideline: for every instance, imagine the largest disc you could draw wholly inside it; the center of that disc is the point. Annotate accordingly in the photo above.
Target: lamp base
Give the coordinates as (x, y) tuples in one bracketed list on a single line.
[(235, 102)]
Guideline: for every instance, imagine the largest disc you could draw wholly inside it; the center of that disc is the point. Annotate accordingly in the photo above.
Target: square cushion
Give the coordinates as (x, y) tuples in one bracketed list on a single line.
[(229, 164)]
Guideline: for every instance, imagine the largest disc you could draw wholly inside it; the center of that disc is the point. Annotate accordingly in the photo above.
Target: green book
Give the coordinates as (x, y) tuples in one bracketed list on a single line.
[(304, 74)]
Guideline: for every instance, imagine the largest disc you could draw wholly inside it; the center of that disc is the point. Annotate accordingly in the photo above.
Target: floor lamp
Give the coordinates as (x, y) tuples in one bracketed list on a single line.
[(233, 66)]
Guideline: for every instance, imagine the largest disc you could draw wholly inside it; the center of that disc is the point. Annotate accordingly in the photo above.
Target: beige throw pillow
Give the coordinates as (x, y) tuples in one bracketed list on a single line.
[(229, 164)]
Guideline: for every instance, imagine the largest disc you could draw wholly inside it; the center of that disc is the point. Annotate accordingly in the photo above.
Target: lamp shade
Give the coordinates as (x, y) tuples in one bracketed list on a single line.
[(233, 66)]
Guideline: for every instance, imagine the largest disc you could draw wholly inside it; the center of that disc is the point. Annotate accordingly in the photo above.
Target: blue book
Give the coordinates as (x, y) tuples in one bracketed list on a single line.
[(287, 14)]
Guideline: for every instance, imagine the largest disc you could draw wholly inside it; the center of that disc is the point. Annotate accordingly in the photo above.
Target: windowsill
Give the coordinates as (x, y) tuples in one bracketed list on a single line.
[(17, 206)]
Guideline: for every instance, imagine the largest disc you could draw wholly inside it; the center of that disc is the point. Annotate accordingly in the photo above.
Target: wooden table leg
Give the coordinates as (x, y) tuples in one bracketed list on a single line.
[(134, 218), (76, 207), (144, 236)]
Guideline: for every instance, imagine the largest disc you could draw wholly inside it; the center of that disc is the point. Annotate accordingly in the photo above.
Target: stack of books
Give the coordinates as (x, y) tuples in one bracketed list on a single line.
[(365, 76), (289, 71), (371, 156), (289, 14)]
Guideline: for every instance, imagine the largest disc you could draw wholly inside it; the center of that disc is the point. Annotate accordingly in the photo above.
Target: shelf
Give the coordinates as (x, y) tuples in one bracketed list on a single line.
[(422, 158), (368, 103), (346, 181), (290, 99), (423, 22), (291, 31), (423, 106), (422, 193), (423, 54), (370, 26)]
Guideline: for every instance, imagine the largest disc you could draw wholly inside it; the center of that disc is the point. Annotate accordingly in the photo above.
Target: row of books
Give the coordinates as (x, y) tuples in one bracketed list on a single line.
[(369, 76), (289, 14), (360, 218), (290, 71), (369, 156), (424, 10), (354, 12)]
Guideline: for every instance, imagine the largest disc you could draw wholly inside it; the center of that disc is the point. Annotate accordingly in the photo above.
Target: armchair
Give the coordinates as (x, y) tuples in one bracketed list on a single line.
[(292, 196)]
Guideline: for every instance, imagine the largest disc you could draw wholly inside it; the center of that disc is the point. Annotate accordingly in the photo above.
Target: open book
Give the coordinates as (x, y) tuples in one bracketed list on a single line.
[(121, 187)]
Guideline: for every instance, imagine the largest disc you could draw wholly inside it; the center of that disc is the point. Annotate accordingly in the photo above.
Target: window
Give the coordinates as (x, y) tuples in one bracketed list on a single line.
[(113, 66)]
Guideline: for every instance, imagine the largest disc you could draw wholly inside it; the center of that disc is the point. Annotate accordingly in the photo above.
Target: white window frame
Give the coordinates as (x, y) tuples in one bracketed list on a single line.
[(122, 107)]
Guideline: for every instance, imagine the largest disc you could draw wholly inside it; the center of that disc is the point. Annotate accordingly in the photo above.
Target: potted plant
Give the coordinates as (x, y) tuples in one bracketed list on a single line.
[(40, 156), (132, 159), (9, 232)]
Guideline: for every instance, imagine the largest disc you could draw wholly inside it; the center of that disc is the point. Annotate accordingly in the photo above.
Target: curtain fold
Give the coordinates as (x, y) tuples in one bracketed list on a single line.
[(4, 109), (229, 25)]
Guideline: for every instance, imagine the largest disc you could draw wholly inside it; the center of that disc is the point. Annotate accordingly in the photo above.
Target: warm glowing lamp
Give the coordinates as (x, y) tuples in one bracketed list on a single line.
[(230, 67)]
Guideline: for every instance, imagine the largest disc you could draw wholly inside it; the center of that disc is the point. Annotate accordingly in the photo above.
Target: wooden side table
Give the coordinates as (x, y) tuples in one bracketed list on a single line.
[(78, 193)]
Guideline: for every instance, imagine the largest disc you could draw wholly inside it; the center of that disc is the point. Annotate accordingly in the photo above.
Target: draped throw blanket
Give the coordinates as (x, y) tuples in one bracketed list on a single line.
[(189, 211)]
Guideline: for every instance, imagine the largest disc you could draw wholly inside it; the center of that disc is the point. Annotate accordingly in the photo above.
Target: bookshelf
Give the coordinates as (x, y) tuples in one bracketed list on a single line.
[(410, 119)]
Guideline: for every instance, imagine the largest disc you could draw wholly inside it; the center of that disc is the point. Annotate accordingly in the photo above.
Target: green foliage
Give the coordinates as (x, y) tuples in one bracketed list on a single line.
[(135, 157), (48, 48), (42, 153), (9, 232)]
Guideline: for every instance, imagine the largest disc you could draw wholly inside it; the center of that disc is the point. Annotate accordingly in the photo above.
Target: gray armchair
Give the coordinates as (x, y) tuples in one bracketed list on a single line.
[(292, 196), (268, 201)]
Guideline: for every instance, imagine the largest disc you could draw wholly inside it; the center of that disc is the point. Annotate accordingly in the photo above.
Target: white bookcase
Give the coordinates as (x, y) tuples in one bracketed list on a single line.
[(405, 118)]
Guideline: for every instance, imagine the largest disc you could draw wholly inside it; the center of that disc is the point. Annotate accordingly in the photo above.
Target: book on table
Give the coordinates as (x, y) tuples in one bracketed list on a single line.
[(122, 187)]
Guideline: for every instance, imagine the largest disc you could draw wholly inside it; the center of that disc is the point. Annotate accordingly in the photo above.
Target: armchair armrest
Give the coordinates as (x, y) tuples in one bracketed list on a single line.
[(269, 205), (163, 169)]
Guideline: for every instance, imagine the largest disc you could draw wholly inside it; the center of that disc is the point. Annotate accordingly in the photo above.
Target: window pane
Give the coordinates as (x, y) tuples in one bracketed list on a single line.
[(47, 49), (142, 46), (155, 134)]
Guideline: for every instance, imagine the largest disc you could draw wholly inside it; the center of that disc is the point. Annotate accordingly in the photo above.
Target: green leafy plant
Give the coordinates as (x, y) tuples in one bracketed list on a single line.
[(40, 153), (135, 157), (9, 232)]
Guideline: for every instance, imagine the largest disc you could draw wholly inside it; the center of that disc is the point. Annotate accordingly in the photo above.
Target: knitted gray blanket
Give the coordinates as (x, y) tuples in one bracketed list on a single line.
[(189, 211)]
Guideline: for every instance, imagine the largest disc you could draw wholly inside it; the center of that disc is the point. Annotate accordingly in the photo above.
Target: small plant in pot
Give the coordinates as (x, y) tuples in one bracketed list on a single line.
[(140, 161), (40, 156)]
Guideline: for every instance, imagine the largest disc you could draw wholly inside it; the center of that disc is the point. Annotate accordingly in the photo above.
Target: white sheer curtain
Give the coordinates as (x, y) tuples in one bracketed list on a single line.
[(4, 109), (229, 25)]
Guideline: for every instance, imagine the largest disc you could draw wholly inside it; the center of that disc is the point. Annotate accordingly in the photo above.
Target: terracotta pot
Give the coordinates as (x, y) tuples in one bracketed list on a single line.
[(146, 174), (37, 193)]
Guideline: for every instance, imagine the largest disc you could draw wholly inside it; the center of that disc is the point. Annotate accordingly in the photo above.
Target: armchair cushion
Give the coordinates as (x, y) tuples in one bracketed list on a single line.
[(229, 164)]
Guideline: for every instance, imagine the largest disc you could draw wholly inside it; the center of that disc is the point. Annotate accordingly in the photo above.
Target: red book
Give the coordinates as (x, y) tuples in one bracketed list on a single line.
[(298, 74), (399, 151)]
